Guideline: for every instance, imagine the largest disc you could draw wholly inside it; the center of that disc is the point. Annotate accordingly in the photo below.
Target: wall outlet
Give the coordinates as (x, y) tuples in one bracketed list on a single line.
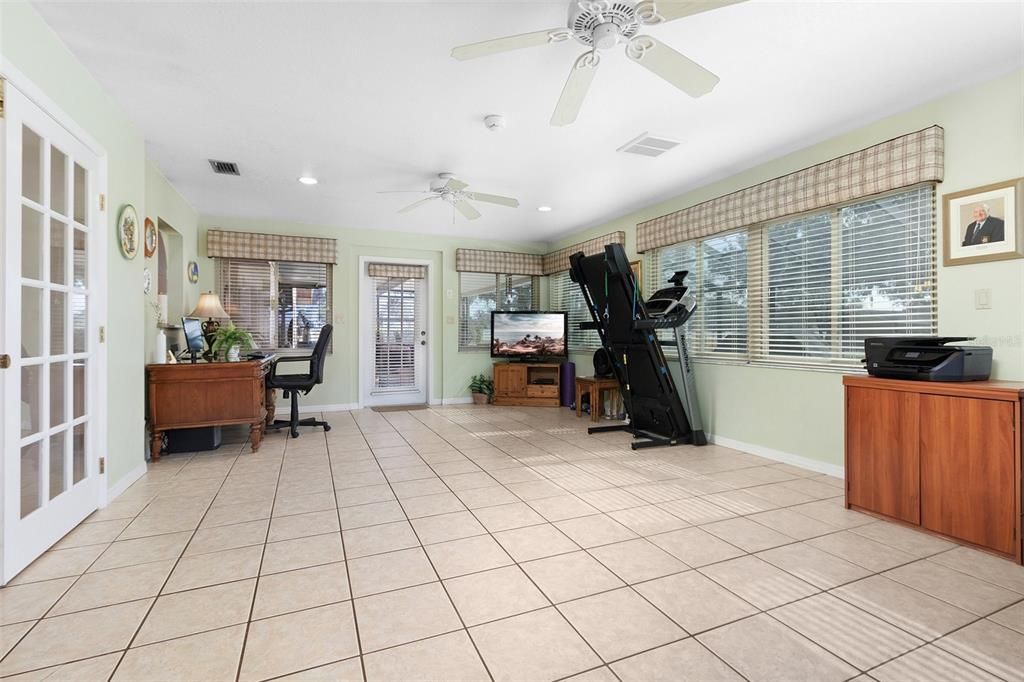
[(450, 319), (982, 299)]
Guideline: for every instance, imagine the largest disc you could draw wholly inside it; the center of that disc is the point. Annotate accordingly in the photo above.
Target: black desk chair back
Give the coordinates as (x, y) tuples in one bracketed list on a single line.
[(292, 384)]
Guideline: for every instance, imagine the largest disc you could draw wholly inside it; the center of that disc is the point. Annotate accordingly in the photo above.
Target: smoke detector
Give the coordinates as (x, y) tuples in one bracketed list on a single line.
[(494, 122)]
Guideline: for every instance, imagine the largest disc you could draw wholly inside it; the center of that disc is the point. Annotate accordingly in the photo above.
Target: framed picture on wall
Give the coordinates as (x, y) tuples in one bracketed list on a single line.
[(984, 224)]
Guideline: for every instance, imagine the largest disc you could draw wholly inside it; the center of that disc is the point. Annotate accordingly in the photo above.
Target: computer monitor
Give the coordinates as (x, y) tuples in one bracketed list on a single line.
[(194, 342)]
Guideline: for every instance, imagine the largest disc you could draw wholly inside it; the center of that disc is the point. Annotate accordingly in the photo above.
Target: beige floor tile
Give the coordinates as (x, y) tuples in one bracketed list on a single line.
[(220, 538), (1012, 617), (697, 510), (30, 601), (413, 473), (686, 660), (602, 674), (862, 551), (186, 613), (351, 497), (303, 525), (302, 504), (295, 590), (349, 481), (535, 646), (230, 514), (905, 539), (758, 582), (853, 635), (959, 589), (793, 524), (143, 550), (404, 616), (59, 563), (833, 514), (695, 547), (694, 601), (535, 490), (487, 596), (913, 611), (570, 576), (739, 502), (781, 495), (648, 520), (431, 505), (814, 566), (611, 499), (469, 481), (508, 516), (113, 587), (593, 531), (444, 527), (370, 514), (78, 635), (390, 571), (86, 670), (297, 641), (747, 535), (562, 507), (211, 569), (349, 670), (419, 488), (207, 656), (990, 646), (535, 542), (387, 537), (930, 664), (447, 657), (468, 555), (302, 552), (984, 566), (637, 560), (161, 523), (96, 533), (11, 634), (620, 623), (762, 649)]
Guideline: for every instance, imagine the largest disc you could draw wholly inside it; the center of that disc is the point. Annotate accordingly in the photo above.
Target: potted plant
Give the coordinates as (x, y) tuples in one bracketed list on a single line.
[(230, 339), (481, 387)]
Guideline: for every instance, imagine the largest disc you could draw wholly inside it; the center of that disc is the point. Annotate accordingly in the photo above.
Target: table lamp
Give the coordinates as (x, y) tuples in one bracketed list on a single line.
[(209, 307)]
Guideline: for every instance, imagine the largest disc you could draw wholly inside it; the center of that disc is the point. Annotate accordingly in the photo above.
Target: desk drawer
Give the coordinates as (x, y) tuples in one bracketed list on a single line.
[(541, 391)]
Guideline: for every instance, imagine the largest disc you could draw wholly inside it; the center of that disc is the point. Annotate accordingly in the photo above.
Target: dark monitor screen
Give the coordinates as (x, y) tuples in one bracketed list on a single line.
[(193, 335)]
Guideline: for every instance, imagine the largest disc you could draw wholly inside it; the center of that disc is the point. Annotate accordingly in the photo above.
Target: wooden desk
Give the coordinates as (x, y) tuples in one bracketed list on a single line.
[(188, 396), (594, 386)]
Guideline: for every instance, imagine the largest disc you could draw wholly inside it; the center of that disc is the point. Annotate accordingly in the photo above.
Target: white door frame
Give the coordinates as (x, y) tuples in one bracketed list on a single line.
[(366, 332), (97, 265)]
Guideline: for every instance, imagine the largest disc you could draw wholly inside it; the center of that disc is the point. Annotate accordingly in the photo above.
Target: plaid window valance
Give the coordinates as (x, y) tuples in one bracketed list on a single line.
[(901, 162), (276, 247), (558, 261), (498, 262), (401, 270)]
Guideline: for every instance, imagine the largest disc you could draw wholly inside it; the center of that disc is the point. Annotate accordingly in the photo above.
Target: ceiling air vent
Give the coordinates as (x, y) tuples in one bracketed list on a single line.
[(648, 145), (224, 167)]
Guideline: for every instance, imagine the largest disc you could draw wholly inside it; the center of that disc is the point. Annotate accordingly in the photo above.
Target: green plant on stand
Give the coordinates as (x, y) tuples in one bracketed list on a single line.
[(229, 340), (481, 387)]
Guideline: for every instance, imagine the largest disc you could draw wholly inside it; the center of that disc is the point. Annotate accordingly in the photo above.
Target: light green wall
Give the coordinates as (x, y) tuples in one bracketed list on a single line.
[(800, 412), (450, 370)]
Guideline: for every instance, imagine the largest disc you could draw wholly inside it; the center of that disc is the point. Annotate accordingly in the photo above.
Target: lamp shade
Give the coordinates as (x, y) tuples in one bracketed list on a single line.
[(209, 306)]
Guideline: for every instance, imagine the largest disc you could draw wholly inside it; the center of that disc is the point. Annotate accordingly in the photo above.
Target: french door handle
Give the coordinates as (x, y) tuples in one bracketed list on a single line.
[(5, 361)]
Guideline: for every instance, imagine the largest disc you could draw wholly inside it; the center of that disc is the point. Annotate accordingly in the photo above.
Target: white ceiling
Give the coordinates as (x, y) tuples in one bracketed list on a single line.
[(366, 97)]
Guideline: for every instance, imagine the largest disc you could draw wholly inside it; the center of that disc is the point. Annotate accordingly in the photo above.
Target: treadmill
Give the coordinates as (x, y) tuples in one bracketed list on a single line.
[(659, 412)]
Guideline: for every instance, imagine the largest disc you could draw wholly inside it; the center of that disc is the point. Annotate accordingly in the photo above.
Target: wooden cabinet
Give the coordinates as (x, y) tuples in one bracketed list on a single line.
[(523, 383), (943, 456)]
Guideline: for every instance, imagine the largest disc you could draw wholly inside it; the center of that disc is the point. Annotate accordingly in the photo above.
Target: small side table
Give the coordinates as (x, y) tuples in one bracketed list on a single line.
[(594, 386)]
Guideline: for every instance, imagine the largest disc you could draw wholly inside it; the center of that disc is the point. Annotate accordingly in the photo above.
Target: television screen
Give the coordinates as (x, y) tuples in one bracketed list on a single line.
[(528, 334)]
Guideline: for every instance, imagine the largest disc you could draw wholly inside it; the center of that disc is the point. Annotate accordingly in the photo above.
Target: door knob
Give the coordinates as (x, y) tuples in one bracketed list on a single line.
[(5, 361)]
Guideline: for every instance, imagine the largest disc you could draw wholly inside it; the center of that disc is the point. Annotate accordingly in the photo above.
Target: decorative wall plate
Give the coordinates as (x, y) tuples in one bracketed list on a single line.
[(193, 271), (149, 245), (147, 281), (128, 231)]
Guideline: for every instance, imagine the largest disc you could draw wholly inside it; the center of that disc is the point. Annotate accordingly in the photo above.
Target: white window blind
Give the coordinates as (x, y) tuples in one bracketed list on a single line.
[(566, 296), (399, 321), (808, 290), (284, 305), (480, 293), (660, 266)]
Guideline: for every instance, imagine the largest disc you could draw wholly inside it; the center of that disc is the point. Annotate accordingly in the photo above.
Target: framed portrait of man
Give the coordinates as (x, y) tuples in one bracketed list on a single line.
[(984, 224)]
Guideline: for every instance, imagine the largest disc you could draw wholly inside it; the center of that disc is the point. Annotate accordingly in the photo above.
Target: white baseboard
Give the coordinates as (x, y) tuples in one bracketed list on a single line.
[(461, 400), (114, 491), (780, 456), (285, 410)]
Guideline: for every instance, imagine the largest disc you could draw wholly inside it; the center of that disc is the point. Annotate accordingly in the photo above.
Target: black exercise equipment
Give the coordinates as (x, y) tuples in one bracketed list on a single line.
[(602, 363), (627, 329), (292, 384)]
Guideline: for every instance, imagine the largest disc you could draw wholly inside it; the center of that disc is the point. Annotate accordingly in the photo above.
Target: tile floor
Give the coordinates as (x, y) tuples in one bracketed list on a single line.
[(501, 544)]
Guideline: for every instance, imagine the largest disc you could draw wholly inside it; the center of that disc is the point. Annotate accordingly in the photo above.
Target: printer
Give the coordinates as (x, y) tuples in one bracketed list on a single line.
[(927, 358)]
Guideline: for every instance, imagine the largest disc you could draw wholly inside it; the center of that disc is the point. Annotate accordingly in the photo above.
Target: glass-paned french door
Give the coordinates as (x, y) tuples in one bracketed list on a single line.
[(398, 347), (51, 481)]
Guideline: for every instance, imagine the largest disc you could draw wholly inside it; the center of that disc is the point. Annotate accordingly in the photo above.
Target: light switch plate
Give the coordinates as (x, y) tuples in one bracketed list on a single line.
[(450, 319), (982, 299)]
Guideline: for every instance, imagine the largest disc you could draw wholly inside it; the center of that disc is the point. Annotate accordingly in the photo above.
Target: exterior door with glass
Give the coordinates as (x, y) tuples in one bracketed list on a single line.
[(396, 343), (52, 246)]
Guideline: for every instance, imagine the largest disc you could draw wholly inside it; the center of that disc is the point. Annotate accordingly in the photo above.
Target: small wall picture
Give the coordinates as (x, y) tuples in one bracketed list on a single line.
[(193, 271), (984, 224), (150, 240), (128, 231)]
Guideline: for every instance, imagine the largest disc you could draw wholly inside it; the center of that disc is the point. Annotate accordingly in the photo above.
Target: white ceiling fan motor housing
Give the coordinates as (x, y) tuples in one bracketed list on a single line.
[(602, 24)]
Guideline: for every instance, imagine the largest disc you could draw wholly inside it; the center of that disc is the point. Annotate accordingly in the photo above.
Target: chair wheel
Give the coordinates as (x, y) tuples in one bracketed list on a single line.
[(295, 433), (327, 427)]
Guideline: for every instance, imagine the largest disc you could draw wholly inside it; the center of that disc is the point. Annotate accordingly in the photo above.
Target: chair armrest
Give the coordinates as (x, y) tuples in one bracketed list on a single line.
[(289, 358)]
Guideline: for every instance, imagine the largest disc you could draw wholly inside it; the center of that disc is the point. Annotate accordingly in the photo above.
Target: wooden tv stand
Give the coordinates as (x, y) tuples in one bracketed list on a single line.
[(527, 383)]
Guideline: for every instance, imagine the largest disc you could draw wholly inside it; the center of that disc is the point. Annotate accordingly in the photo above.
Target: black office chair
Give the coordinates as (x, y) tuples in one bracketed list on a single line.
[(291, 384)]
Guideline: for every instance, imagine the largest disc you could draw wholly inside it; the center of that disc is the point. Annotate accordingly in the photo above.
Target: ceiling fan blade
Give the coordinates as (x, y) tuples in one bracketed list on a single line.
[(575, 91), (468, 212), (493, 199), (680, 71), (518, 42), (660, 11), (455, 185), (415, 204), (404, 191)]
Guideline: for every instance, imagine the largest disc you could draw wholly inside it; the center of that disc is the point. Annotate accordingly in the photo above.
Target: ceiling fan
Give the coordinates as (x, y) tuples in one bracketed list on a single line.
[(452, 191), (601, 25)]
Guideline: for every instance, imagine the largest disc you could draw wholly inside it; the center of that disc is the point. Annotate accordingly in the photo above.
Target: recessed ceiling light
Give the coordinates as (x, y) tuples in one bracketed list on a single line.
[(308, 180), (544, 209)]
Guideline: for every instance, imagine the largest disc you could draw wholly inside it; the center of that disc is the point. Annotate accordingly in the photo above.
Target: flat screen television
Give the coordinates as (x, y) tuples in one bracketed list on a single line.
[(529, 334)]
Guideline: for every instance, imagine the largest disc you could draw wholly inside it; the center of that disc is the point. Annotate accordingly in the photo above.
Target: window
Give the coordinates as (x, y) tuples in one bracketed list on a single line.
[(282, 304), (480, 293), (566, 295), (808, 290)]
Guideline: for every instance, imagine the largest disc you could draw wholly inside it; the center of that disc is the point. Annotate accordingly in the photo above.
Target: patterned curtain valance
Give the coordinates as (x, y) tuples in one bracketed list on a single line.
[(498, 262), (258, 246), (558, 261), (900, 162), (401, 270)]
